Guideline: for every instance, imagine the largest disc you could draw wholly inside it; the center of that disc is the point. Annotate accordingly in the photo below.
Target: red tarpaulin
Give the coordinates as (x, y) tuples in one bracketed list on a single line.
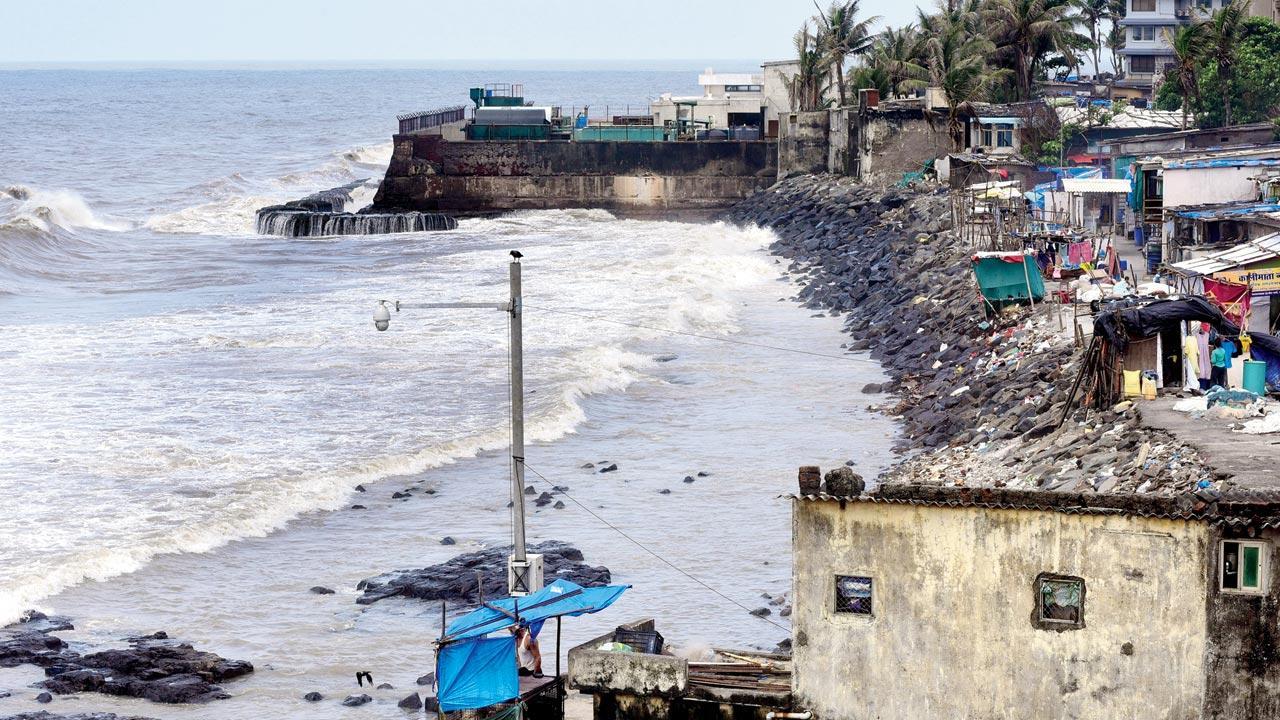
[(1233, 298)]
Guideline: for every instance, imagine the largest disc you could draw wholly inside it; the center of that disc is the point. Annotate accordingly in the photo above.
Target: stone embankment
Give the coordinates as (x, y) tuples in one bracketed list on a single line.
[(980, 398)]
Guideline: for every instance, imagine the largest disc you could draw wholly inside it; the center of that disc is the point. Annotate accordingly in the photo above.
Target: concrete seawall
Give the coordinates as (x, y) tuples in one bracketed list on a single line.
[(429, 174)]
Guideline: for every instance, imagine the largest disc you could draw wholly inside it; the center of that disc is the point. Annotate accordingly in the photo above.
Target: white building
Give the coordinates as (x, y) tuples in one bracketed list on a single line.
[(1147, 52), (728, 100)]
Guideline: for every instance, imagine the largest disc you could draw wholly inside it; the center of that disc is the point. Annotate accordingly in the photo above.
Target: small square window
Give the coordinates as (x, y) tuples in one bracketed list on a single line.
[(853, 594), (1243, 566), (1059, 602)]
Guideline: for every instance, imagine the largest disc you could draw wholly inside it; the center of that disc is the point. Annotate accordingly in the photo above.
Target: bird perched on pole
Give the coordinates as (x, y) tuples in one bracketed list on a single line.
[(517, 254)]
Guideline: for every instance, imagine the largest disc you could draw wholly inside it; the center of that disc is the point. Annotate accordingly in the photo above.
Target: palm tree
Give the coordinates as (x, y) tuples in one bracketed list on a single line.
[(897, 55), (1224, 30), (956, 58), (843, 36), (1189, 44), (806, 87), (1028, 30), (1092, 13), (1116, 36)]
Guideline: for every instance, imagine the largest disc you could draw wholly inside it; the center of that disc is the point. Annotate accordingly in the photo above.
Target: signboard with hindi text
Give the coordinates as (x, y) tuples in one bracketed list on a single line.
[(1262, 278)]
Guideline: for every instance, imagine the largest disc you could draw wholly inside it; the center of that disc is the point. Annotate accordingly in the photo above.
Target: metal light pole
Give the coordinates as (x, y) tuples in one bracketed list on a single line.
[(524, 571)]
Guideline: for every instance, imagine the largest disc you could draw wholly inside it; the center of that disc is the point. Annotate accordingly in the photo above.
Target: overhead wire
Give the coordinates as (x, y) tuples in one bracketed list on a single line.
[(645, 548)]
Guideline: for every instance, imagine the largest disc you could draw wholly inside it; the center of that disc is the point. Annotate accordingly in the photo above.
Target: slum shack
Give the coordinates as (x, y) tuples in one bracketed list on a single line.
[(476, 671), (631, 677), (1006, 278)]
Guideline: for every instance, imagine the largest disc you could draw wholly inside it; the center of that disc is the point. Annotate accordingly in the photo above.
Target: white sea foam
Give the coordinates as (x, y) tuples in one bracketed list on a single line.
[(243, 416), (47, 209), (235, 200)]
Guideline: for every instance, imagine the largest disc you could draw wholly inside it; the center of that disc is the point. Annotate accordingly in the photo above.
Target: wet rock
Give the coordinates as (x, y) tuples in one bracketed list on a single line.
[(588, 466), (455, 580), (559, 505), (386, 686), (428, 679), (762, 612), (46, 715), (356, 700), (843, 482), (313, 697), (447, 540), (44, 697), (358, 507), (703, 474), (688, 478), (544, 499), (609, 468), (322, 590), (360, 488), (398, 495), (410, 702)]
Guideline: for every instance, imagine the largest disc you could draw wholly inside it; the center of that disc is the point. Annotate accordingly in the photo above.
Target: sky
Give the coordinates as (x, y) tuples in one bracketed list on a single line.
[(408, 31)]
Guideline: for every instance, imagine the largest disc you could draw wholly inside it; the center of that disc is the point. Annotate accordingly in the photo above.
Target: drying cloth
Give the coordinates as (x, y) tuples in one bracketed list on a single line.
[(1080, 252), (1233, 298), (1202, 343), (1191, 362)]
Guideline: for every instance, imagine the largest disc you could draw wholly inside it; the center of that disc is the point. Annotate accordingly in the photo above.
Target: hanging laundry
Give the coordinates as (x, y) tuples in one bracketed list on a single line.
[(1233, 298), (1080, 252)]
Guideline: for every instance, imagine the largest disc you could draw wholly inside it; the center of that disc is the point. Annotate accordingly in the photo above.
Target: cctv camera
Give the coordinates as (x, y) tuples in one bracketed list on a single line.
[(381, 317)]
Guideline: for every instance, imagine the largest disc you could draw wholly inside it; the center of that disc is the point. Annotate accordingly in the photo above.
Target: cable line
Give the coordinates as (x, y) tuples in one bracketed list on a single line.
[(640, 545), (731, 341)]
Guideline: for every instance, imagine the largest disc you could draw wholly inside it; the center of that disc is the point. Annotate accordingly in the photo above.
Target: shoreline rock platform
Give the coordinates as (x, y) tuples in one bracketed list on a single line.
[(455, 580), (153, 667)]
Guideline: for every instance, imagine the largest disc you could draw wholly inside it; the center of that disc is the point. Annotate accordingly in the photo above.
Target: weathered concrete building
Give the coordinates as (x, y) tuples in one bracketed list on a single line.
[(924, 602), (875, 142)]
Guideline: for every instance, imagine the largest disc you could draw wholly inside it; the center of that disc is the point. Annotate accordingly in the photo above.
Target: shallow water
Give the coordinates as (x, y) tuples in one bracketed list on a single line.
[(188, 405)]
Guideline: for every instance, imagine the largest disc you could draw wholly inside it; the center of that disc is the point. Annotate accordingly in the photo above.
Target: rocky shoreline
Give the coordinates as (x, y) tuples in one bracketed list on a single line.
[(152, 667), (979, 399)]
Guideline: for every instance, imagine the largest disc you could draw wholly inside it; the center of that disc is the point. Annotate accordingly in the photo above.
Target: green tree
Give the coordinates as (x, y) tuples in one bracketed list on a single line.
[(1028, 31), (1253, 83), (956, 59), (1224, 30), (842, 35), (807, 86), (1189, 44), (896, 56), (1092, 15)]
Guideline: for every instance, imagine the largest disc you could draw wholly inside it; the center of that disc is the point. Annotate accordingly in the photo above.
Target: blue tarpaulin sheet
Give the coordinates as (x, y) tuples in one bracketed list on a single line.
[(1223, 162), (559, 598), (477, 673), (1230, 212)]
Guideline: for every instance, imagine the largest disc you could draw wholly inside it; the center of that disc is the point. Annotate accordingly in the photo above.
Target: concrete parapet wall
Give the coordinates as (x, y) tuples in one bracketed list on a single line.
[(636, 178), (627, 673)]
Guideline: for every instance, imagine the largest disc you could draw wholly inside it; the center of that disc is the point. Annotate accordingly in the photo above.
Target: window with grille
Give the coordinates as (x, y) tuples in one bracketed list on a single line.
[(1059, 602), (1243, 566), (1143, 5), (1142, 64), (1144, 32), (853, 594)]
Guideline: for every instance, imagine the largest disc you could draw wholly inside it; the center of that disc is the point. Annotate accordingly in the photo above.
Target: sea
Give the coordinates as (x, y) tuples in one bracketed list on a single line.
[(188, 407)]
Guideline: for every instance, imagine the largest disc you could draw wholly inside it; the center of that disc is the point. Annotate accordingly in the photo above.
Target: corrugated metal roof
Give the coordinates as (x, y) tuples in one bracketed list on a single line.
[(1129, 118), (1096, 185), (1264, 248)]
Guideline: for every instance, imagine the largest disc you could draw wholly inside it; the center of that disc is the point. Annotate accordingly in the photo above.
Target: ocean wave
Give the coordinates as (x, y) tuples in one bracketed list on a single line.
[(48, 209), (234, 201), (269, 508)]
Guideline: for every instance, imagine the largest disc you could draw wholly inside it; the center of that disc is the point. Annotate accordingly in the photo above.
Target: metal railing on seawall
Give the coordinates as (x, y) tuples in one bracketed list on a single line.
[(412, 122)]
